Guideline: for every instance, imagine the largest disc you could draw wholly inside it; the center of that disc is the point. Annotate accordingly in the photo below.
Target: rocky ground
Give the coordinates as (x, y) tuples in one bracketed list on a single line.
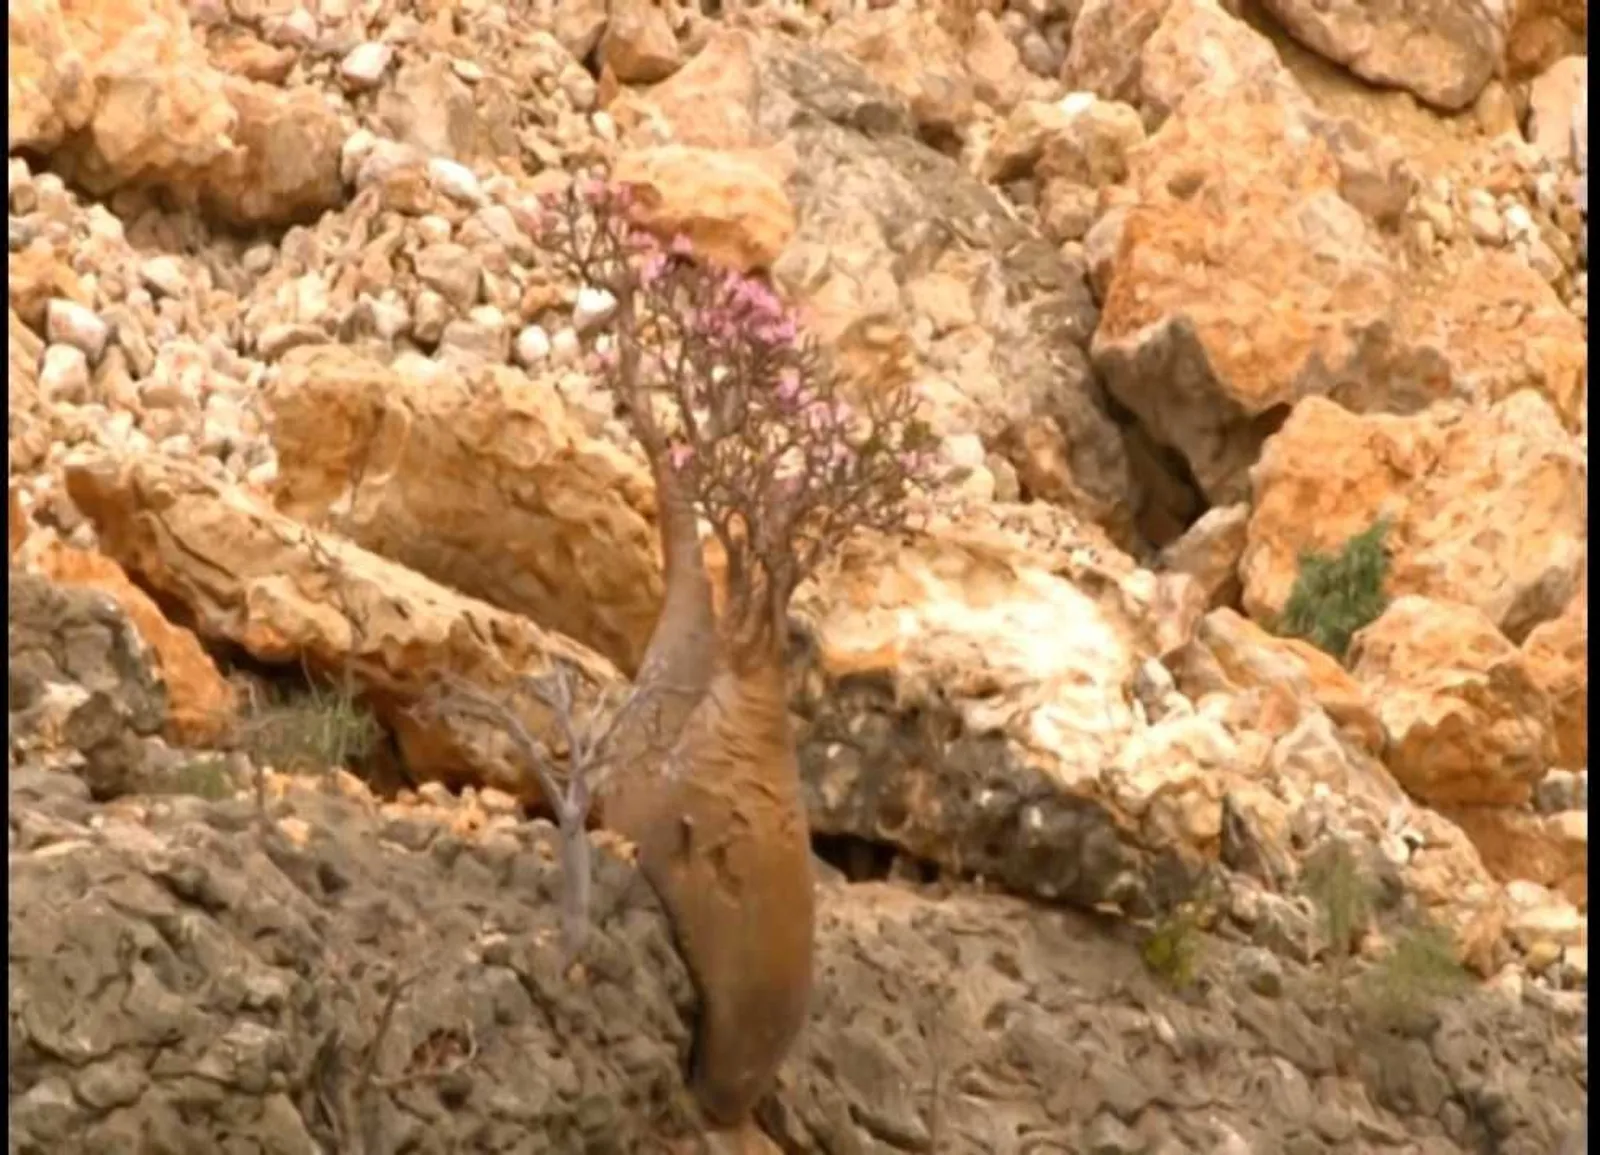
[(1188, 288)]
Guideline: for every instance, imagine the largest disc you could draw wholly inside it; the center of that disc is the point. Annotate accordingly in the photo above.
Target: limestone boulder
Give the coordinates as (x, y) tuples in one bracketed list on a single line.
[(1108, 36), (1466, 723), (253, 577), (489, 486), (1486, 507), (200, 703), (1441, 50), (639, 45), (904, 266), (734, 206), (1210, 550), (1556, 97)]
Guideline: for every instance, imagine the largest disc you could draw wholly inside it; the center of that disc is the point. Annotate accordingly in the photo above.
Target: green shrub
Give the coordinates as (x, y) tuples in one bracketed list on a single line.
[(1344, 893), (1335, 595)]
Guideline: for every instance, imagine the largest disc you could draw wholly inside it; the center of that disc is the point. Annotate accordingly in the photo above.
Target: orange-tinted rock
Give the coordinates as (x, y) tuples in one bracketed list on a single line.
[(1550, 849), (1487, 507), (1558, 658), (1466, 723), (200, 702)]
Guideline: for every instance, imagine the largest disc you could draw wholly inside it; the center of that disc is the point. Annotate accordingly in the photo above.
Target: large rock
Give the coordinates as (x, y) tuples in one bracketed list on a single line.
[(1550, 849), (943, 714), (249, 575), (124, 94), (490, 487), (910, 53), (1104, 55), (905, 267), (1542, 32), (1444, 51), (731, 205), (1466, 723), (1486, 507)]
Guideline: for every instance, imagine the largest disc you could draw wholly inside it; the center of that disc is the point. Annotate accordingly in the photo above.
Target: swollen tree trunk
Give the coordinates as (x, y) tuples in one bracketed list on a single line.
[(730, 857), (674, 673)]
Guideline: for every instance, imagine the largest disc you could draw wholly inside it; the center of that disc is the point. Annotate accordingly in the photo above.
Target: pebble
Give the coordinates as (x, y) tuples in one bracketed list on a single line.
[(1485, 224), (64, 374), (69, 323), (564, 347), (592, 307), (164, 275), (364, 65), (456, 181), (532, 346)]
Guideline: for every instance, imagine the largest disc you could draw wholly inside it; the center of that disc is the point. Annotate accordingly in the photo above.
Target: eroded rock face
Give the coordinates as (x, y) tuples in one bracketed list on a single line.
[(561, 530), (1443, 51), (1558, 658), (1465, 721), (303, 935), (253, 577), (1486, 507)]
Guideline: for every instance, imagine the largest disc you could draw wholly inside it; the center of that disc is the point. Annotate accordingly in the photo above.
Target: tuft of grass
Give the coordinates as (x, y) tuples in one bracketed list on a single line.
[(319, 729), (1172, 948), (1335, 595), (203, 777), (1417, 970)]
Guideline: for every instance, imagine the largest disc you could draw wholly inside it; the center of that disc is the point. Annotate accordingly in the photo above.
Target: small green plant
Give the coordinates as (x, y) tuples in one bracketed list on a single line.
[(1345, 895), (1172, 949), (203, 777), (1418, 969), (318, 729), (1335, 595)]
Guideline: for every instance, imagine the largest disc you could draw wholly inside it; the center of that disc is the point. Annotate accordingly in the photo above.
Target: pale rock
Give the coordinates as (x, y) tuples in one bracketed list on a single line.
[(1229, 654), (994, 64), (1199, 45), (1210, 550), (165, 275), (731, 205), (1487, 507), (456, 181), (364, 65), (532, 346), (69, 323), (452, 271), (1550, 919), (565, 347), (593, 306), (241, 570), (578, 25), (64, 374), (1556, 99), (639, 45), (1443, 51), (1465, 722), (480, 337)]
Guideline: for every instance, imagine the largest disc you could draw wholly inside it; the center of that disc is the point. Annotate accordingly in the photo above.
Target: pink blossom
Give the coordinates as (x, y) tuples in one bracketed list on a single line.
[(680, 455), (654, 268), (594, 191), (788, 390), (681, 246)]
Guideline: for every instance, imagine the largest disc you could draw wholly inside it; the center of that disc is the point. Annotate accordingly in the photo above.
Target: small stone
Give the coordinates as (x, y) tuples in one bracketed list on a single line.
[(363, 67), (164, 276), (296, 29), (564, 347), (452, 271), (70, 323), (1108, 1135), (1263, 972), (64, 374), (1541, 955), (456, 181), (532, 346), (591, 308), (276, 340), (429, 315), (1485, 224)]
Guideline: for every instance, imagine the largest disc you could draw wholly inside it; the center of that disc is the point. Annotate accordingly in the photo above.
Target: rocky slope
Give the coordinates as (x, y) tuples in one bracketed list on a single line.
[(1188, 289)]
